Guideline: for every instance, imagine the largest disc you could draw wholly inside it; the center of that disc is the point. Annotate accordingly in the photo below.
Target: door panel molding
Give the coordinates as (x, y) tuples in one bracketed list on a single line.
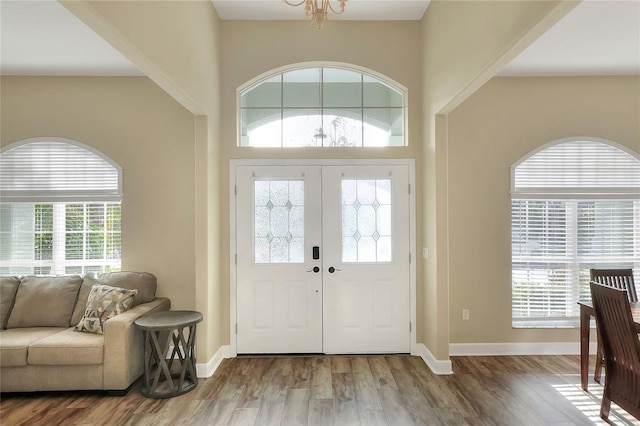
[(233, 242)]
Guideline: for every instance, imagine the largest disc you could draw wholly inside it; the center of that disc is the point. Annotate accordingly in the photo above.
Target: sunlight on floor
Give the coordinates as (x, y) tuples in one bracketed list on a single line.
[(589, 404)]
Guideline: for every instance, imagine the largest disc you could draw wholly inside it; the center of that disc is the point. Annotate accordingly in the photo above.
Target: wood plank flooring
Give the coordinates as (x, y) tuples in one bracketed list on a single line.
[(342, 390)]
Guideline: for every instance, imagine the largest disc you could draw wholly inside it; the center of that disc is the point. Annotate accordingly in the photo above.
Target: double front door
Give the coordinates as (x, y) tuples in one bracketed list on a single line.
[(323, 256)]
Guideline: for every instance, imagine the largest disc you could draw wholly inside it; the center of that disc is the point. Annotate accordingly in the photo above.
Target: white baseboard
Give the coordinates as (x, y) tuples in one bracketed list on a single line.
[(533, 348), (207, 369), (437, 366), (441, 367)]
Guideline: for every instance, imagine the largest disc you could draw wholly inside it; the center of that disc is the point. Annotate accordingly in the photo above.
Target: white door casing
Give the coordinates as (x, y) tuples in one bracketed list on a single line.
[(367, 301)]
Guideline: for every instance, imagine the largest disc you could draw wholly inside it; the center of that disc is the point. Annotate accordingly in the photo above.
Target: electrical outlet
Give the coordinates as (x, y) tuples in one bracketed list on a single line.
[(465, 314), (425, 252)]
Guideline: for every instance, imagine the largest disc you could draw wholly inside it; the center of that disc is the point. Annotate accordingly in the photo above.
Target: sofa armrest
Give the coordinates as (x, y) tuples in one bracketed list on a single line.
[(124, 345)]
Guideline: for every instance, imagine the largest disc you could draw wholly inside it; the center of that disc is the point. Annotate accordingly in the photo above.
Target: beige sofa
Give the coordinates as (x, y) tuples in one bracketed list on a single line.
[(39, 349)]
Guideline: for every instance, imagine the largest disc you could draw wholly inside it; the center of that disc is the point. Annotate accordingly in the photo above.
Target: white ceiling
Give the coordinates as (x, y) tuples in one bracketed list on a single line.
[(598, 37)]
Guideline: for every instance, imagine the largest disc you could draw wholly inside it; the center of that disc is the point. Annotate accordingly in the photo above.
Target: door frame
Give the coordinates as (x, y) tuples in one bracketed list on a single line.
[(410, 163)]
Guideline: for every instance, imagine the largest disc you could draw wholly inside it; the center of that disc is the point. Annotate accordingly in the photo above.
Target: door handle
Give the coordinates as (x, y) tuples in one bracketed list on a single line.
[(332, 269), (315, 269)]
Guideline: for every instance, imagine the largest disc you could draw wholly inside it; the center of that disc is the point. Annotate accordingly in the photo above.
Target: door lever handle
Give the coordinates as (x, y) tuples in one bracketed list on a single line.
[(332, 269), (315, 269)]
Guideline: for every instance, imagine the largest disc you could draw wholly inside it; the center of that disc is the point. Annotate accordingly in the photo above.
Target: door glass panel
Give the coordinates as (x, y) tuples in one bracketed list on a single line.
[(366, 220), (279, 221)]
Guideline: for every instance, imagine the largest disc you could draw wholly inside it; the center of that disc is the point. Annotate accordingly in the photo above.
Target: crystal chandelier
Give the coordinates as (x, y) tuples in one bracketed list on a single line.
[(318, 9)]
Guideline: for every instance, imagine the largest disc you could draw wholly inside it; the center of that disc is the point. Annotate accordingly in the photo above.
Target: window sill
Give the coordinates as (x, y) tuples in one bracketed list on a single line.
[(548, 324)]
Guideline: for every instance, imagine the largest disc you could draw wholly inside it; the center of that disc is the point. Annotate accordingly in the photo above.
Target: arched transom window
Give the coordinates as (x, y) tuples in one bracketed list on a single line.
[(327, 106), (575, 205)]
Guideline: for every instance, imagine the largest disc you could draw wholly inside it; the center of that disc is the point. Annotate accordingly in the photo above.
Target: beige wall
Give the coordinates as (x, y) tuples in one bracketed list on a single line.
[(199, 60), (503, 121), (252, 48), (464, 43), (145, 131), (177, 45)]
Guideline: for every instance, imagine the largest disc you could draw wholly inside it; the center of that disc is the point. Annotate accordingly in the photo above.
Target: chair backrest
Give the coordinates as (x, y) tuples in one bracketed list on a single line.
[(615, 324), (617, 278), (621, 348)]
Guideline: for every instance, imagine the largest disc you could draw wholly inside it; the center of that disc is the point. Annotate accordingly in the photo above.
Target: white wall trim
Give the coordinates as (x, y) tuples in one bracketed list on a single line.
[(521, 348), (207, 369), (437, 366)]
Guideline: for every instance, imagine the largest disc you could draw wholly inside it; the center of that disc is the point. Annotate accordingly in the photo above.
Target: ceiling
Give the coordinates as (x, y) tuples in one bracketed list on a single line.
[(598, 37)]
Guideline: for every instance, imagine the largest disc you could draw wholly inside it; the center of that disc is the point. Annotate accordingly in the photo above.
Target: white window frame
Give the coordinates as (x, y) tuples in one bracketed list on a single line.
[(315, 64), (571, 196), (49, 186)]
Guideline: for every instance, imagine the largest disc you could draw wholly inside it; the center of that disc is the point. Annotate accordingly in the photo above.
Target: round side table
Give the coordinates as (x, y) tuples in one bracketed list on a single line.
[(164, 331)]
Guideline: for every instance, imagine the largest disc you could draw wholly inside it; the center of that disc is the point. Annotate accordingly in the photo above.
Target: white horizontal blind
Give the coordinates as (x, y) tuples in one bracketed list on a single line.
[(558, 236), (578, 167), (59, 209), (56, 170)]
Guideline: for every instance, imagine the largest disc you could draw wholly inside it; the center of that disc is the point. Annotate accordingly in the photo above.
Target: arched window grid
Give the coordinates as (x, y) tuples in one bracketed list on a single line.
[(321, 105), (57, 169)]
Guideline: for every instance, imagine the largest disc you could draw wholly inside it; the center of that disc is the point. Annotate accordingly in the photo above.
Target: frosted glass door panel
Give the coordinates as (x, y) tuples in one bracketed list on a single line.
[(279, 296), (366, 220), (279, 221)]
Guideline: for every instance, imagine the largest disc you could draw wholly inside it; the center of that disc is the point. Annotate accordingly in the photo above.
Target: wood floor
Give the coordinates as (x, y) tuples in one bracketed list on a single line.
[(342, 390)]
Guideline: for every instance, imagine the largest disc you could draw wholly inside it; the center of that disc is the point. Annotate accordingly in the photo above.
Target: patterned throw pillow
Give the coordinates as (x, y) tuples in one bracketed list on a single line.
[(104, 302)]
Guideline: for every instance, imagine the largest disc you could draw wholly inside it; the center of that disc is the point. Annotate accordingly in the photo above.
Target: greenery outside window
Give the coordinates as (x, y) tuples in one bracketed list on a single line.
[(60, 209), (575, 205)]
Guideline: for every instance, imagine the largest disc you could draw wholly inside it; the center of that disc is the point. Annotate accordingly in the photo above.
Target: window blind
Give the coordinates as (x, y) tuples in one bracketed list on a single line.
[(56, 170), (568, 218), (59, 209), (579, 168)]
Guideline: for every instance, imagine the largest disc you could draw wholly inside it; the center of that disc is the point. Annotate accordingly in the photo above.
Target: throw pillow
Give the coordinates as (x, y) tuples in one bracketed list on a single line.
[(144, 282), (44, 301), (8, 289), (104, 302)]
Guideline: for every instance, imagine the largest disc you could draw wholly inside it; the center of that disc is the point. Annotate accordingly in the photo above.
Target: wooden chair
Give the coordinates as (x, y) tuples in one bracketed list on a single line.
[(621, 348), (617, 278)]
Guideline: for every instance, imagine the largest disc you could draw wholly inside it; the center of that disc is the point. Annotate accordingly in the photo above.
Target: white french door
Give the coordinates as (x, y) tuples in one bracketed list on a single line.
[(322, 259)]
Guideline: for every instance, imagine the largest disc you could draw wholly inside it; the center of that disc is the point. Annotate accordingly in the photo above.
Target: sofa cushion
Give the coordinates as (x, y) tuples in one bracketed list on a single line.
[(144, 282), (14, 343), (68, 348), (104, 302), (8, 289), (45, 301)]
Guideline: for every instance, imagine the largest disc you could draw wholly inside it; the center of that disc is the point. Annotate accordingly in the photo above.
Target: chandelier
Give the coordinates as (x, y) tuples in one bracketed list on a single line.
[(318, 9)]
